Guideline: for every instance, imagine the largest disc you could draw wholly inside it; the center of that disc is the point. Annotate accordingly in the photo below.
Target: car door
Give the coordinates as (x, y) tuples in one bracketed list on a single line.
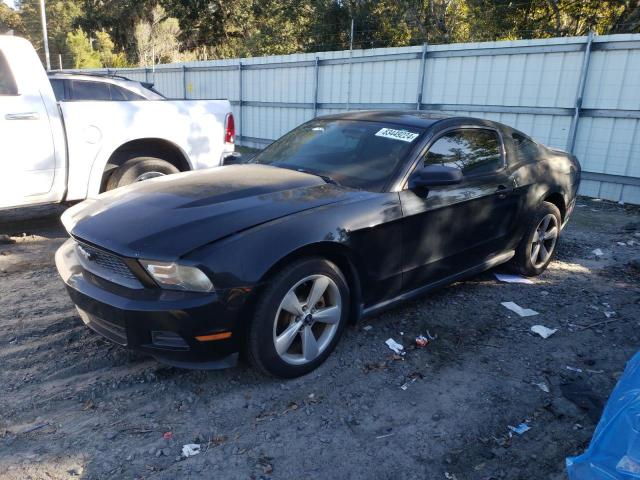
[(27, 154), (449, 229)]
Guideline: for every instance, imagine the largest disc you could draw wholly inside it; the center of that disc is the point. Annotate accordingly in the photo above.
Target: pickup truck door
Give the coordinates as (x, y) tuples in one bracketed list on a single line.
[(27, 157)]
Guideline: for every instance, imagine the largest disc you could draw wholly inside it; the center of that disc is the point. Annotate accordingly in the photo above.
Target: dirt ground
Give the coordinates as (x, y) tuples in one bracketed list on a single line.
[(73, 405)]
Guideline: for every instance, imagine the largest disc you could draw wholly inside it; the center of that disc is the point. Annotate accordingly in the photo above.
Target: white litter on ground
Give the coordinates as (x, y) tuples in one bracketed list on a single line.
[(543, 331), (597, 252), (366, 328), (574, 369), (395, 346), (509, 278), (542, 386), (520, 429), (622, 244), (609, 314), (523, 312), (190, 449)]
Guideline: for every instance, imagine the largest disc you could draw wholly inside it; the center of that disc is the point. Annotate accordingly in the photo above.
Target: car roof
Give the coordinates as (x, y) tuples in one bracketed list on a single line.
[(409, 118)]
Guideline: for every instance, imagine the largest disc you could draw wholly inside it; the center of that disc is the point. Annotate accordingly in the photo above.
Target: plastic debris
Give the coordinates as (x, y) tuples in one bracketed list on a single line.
[(405, 385), (167, 435), (523, 312), (509, 278), (543, 331), (542, 386), (395, 346), (520, 429), (597, 252), (614, 451), (609, 313), (366, 328), (422, 341), (622, 244), (574, 369), (190, 449)]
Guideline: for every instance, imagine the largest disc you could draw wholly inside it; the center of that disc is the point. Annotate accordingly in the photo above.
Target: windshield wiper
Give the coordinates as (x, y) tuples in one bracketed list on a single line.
[(326, 178)]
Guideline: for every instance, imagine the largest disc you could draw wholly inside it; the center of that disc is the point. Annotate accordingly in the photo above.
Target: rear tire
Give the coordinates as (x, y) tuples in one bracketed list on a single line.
[(538, 245), (139, 169), (294, 330)]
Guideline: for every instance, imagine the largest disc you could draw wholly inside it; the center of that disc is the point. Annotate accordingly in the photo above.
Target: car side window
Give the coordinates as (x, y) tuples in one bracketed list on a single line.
[(7, 82), (86, 90), (119, 93), (475, 151), (526, 149)]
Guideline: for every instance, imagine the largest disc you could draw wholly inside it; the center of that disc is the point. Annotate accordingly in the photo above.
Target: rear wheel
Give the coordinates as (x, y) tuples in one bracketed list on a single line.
[(538, 245), (139, 169), (299, 319)]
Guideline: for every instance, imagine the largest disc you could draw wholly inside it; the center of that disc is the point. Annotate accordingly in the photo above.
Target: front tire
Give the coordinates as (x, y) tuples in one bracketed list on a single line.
[(536, 249), (299, 319), (139, 169)]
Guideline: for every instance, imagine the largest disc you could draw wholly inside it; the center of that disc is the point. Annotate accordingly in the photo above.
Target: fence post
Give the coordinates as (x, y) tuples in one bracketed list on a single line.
[(146, 75), (423, 62), (240, 101), (315, 87), (573, 130), (184, 82)]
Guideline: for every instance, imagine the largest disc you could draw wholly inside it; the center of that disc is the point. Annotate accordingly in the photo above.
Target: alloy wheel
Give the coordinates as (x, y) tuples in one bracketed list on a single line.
[(307, 319), (544, 240)]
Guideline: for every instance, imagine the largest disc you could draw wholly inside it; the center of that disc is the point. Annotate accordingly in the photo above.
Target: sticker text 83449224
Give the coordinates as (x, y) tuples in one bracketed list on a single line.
[(402, 135)]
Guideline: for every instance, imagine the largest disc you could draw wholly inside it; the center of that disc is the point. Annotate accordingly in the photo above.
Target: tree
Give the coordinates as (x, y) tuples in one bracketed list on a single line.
[(62, 16), (157, 39), (83, 54), (108, 57), (10, 20)]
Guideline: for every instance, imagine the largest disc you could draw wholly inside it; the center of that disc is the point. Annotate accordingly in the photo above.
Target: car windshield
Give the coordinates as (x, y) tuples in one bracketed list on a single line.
[(357, 154)]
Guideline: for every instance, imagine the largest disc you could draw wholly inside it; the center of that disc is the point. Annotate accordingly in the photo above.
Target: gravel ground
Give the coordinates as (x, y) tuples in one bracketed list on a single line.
[(73, 405)]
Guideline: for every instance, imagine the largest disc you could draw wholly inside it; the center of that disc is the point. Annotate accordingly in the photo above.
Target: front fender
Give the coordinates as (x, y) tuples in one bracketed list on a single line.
[(369, 230)]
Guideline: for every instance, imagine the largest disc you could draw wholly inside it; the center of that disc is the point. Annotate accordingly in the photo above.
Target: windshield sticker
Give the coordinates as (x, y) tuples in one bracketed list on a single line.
[(402, 135)]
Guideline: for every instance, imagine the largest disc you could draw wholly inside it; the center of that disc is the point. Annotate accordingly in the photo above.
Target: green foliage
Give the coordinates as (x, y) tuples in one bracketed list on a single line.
[(106, 51), (157, 39), (84, 56), (145, 32), (10, 20)]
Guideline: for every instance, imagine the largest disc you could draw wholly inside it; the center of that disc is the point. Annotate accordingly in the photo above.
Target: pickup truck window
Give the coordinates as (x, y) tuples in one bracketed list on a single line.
[(83, 90), (7, 82), (119, 93)]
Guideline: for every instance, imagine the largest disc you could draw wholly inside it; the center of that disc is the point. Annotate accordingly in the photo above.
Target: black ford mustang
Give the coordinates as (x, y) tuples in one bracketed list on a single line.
[(340, 218)]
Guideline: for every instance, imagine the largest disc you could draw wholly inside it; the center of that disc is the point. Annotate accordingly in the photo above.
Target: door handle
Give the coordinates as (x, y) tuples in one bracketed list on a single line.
[(503, 191), (22, 116)]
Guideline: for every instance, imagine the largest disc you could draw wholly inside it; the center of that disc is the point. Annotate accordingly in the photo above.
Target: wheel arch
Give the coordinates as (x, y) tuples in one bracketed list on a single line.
[(341, 255), (147, 147), (556, 198)]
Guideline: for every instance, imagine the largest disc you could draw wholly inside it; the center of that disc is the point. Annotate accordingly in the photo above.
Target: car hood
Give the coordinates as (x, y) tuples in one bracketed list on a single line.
[(165, 218)]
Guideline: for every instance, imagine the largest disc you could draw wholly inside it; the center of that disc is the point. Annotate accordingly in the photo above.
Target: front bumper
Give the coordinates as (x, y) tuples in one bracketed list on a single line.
[(161, 323)]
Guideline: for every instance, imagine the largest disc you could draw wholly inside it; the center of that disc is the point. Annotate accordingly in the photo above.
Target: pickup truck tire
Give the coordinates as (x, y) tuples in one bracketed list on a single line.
[(139, 169)]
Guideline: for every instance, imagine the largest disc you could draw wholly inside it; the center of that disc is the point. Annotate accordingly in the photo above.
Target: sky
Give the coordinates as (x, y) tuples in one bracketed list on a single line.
[(11, 3)]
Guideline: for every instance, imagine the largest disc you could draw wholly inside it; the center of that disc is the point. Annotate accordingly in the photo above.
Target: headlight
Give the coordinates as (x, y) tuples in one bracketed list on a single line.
[(173, 276)]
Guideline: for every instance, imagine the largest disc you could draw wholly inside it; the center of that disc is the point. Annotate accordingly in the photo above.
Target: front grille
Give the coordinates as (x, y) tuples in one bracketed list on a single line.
[(110, 330), (106, 265)]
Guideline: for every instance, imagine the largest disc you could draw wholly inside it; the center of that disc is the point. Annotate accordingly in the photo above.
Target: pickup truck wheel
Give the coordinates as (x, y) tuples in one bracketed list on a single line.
[(538, 245), (139, 169)]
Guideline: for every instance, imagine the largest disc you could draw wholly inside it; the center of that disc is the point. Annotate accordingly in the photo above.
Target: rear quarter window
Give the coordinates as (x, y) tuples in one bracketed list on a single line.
[(7, 82), (527, 150), (122, 94)]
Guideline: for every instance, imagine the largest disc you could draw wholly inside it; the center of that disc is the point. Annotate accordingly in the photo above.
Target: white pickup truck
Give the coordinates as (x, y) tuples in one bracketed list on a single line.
[(66, 151)]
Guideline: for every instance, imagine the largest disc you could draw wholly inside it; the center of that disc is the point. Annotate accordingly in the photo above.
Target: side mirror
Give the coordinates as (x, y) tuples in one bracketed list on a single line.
[(433, 176), (233, 158)]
